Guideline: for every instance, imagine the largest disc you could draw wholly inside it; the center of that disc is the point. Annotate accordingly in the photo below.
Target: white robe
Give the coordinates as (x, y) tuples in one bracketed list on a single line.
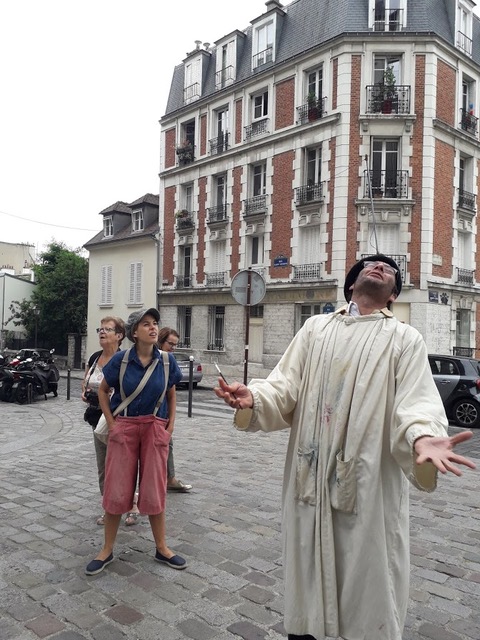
[(356, 393)]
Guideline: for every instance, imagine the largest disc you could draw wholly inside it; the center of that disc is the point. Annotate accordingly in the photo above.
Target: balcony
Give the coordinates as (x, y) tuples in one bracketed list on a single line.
[(401, 260), (255, 205), (386, 184), (467, 200), (311, 111), (185, 154), (183, 282), (468, 122), (216, 279), (464, 43), (388, 100), (309, 193), (256, 128), (217, 214), (464, 352), (220, 144), (185, 222), (390, 20), (262, 57), (224, 77), (307, 271), (191, 93), (465, 276)]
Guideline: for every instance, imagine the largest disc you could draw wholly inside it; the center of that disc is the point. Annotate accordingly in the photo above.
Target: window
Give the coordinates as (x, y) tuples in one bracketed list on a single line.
[(466, 199), (259, 172), (185, 326), (216, 326), (255, 251), (219, 142), (315, 84), (216, 263), (106, 285), (465, 252), (137, 220), (107, 227), (186, 147), (193, 78), (135, 283), (468, 120), (382, 63), (185, 275), (260, 105), (307, 311), (313, 166), (384, 168), (462, 334), (225, 71), (388, 15), (263, 45), (309, 251), (464, 31), (187, 196)]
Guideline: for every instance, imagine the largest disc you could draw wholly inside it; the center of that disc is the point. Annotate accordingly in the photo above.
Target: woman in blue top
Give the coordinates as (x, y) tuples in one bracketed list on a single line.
[(138, 438)]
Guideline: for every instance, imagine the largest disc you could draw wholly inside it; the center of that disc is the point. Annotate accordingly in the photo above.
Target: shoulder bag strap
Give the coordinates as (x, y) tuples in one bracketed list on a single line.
[(166, 369), (141, 384)]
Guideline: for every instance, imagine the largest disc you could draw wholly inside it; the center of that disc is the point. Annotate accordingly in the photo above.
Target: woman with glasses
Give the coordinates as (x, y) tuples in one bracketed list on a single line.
[(168, 341), (110, 335)]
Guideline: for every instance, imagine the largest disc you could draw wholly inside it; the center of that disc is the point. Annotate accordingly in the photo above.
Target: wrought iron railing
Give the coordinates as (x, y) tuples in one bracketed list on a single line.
[(467, 200), (384, 99), (216, 279), (464, 352), (311, 111), (257, 204), (390, 20), (310, 271), (217, 214), (464, 43), (262, 57), (465, 276), (224, 77), (183, 282), (309, 193), (256, 128), (186, 154), (468, 122), (219, 144), (386, 184), (401, 261), (191, 92)]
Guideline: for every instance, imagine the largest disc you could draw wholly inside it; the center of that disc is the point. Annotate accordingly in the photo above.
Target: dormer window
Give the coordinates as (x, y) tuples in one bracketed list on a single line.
[(464, 28), (193, 79), (137, 220), (225, 69), (388, 15), (107, 227), (263, 44)]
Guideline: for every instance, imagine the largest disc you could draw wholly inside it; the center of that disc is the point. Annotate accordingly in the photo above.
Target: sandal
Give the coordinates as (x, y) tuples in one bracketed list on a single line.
[(131, 518), (101, 521)]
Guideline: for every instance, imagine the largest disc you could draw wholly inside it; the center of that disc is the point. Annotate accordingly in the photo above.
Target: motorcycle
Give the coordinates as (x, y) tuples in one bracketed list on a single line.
[(34, 378), (7, 379)]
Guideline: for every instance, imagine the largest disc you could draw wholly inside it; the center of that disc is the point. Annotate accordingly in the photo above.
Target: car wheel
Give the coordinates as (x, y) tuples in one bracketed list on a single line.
[(466, 413)]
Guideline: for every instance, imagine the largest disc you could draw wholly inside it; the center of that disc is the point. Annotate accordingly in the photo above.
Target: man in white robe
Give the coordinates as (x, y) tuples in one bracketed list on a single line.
[(365, 418)]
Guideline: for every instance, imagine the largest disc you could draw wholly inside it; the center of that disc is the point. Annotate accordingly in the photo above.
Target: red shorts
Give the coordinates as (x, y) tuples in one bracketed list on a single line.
[(137, 445)]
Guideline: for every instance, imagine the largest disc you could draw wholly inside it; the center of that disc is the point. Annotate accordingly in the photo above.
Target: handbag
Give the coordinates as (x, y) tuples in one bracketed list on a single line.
[(101, 430)]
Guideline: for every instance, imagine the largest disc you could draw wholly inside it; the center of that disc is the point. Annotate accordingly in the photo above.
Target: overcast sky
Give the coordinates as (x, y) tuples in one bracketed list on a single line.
[(83, 85)]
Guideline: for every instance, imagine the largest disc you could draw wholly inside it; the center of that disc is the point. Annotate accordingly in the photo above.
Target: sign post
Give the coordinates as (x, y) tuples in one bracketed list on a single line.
[(248, 288)]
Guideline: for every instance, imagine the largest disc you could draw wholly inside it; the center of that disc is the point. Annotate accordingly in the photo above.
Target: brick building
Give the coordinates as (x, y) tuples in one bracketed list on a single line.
[(298, 145)]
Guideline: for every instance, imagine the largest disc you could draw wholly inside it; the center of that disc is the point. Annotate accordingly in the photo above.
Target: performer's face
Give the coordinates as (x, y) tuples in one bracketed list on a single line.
[(377, 279)]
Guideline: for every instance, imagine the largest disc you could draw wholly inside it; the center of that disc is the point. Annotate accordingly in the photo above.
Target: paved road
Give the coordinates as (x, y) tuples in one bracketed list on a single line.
[(228, 527)]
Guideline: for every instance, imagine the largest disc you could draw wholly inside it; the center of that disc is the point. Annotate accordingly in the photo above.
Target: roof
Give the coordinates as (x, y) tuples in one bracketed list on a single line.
[(312, 23)]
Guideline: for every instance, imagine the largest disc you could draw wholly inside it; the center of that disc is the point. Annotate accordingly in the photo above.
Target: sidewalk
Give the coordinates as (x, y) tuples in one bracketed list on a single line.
[(228, 528)]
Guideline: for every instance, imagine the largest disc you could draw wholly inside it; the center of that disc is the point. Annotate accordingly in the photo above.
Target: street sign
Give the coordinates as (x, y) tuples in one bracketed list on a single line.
[(240, 284)]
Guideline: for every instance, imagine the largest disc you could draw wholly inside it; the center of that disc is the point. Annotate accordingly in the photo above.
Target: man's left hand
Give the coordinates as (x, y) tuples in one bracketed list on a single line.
[(439, 451)]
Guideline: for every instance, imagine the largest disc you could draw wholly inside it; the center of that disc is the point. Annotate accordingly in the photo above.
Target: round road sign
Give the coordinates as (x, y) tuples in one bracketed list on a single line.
[(240, 284)]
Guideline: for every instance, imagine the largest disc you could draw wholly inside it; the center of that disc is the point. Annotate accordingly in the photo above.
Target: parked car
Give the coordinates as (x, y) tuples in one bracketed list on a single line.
[(183, 361), (458, 381)]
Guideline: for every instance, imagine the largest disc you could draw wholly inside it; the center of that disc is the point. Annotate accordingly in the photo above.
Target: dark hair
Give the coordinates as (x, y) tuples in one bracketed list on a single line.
[(164, 333), (119, 325)]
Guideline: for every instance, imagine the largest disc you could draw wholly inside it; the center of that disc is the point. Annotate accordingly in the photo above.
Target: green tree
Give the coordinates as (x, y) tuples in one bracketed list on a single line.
[(61, 295)]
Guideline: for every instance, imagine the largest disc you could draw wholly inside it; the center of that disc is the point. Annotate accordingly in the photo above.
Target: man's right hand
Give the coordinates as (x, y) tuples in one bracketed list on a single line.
[(236, 395)]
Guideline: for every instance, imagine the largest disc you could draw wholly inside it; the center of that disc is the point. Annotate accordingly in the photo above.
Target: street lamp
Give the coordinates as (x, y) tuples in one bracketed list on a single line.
[(36, 313)]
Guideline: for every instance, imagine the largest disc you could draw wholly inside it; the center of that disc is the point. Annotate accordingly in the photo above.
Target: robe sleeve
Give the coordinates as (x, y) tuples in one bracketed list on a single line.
[(275, 398), (418, 410)]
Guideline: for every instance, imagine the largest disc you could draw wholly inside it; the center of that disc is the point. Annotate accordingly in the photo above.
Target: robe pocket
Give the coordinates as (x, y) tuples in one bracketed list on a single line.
[(306, 475), (343, 485)]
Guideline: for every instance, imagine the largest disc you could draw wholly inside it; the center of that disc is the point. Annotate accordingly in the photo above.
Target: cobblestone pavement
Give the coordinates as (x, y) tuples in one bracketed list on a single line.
[(228, 527)]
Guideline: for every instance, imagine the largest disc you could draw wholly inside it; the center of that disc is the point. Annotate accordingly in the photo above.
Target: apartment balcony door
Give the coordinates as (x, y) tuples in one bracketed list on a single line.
[(384, 164)]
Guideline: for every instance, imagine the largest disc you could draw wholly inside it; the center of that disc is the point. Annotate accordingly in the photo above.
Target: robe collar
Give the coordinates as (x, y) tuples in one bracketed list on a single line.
[(351, 309)]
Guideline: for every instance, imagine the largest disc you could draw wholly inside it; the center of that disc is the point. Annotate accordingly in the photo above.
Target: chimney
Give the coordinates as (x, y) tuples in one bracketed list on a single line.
[(206, 45), (197, 44), (273, 4)]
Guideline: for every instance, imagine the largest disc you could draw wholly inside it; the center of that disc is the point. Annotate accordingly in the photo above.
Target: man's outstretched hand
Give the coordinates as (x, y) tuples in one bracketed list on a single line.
[(439, 451), (236, 395)]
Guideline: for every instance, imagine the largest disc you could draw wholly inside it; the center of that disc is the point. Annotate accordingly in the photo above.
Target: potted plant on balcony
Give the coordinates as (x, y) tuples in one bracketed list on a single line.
[(313, 111), (181, 213), (387, 92)]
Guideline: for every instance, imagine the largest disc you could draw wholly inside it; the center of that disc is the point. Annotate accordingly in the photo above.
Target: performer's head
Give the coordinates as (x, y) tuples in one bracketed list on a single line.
[(378, 276)]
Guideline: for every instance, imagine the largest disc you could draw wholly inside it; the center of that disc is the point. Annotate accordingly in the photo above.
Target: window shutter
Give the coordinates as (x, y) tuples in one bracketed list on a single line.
[(106, 285)]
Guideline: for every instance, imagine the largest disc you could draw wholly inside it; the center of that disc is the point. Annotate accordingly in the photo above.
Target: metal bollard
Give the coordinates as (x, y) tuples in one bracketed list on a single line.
[(68, 383), (190, 387)]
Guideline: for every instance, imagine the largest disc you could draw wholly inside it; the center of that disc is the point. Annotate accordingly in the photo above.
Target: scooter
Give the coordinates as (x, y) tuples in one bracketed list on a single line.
[(34, 378), (7, 379)]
